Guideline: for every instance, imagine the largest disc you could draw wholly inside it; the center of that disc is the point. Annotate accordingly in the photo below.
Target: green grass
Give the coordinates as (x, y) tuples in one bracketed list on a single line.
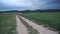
[(7, 23), (51, 19)]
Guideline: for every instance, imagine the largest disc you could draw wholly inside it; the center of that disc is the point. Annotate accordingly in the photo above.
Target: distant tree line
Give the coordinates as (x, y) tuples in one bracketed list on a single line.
[(49, 10)]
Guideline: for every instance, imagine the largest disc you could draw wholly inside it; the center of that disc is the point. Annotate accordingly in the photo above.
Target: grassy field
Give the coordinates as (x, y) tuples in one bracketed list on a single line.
[(51, 19), (7, 23)]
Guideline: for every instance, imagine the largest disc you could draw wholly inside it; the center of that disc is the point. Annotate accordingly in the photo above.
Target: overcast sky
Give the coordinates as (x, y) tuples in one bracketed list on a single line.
[(29, 4)]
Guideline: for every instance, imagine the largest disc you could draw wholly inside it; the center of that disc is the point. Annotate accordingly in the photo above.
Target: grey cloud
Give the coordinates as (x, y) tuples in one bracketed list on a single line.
[(35, 4)]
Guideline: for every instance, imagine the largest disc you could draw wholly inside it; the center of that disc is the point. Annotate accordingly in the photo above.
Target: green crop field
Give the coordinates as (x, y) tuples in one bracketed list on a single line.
[(7, 23), (51, 19)]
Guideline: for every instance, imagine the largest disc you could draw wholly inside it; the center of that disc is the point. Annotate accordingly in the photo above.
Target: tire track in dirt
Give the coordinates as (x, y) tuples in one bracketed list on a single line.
[(21, 29)]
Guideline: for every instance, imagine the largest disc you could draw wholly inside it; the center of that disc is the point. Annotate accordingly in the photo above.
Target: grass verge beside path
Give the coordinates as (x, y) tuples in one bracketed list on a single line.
[(7, 23)]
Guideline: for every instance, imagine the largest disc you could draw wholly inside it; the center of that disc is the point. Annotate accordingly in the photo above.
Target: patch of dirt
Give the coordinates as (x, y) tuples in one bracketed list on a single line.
[(21, 29)]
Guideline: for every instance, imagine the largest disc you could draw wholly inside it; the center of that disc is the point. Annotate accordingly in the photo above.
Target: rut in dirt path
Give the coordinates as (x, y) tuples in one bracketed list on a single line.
[(40, 28), (21, 29)]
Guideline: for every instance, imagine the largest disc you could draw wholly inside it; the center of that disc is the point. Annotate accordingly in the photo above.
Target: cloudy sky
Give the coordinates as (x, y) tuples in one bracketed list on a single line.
[(29, 4)]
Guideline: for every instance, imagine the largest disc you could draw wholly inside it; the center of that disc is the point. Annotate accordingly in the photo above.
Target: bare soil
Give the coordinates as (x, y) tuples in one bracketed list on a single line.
[(21, 29)]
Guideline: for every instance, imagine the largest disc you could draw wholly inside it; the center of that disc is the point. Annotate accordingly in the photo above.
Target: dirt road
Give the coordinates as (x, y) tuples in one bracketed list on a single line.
[(21, 29), (39, 28)]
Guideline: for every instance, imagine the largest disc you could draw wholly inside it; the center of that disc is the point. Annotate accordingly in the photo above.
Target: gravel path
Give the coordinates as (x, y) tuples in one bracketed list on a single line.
[(40, 28), (21, 29)]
